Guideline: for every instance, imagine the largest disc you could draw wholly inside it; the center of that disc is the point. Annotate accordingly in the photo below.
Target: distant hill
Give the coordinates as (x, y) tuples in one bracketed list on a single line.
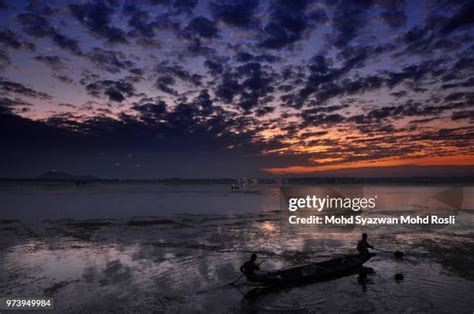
[(59, 175)]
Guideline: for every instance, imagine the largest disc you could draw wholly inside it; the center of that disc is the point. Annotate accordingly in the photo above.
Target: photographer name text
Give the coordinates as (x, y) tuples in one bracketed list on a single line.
[(360, 220)]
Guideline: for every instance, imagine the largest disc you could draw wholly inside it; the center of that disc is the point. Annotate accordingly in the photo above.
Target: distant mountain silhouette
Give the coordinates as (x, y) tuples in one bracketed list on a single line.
[(59, 175)]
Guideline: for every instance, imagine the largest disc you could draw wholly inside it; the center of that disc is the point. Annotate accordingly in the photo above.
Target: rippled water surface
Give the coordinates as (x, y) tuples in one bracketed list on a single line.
[(165, 248)]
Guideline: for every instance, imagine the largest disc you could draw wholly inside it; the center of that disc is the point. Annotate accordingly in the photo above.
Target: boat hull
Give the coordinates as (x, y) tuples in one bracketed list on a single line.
[(310, 273)]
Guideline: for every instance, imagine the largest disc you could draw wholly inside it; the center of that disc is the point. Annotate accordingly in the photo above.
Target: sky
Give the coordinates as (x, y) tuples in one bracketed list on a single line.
[(195, 88)]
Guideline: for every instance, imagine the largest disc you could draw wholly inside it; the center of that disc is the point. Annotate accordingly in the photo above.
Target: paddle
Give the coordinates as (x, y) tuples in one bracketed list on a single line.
[(233, 282), (240, 277), (397, 253)]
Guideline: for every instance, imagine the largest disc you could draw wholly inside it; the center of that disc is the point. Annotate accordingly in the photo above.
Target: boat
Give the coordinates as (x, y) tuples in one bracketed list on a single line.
[(309, 273)]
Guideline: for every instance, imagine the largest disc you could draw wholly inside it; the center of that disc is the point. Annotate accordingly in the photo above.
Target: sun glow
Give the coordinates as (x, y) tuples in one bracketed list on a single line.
[(455, 160)]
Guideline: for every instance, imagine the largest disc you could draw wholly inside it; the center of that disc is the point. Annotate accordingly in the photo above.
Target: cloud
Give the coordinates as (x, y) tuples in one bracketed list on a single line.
[(185, 5), (248, 87), (35, 25), (114, 90), (288, 23), (409, 109), (39, 26), (321, 119), (459, 115), (244, 56), (461, 20), (9, 87), (164, 82), (202, 27), (10, 39), (96, 16), (273, 78), (168, 73), (140, 21), (349, 17), (151, 112), (53, 61), (9, 105), (109, 60), (239, 13), (4, 59), (66, 43), (395, 19)]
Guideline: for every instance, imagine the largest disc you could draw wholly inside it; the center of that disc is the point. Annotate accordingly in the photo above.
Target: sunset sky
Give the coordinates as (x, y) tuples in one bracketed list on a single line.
[(188, 88)]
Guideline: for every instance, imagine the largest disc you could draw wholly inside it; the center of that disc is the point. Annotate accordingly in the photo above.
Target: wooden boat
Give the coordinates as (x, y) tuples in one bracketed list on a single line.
[(309, 273)]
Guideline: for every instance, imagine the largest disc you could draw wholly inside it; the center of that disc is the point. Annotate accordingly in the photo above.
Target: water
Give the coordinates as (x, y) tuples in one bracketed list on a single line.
[(144, 248)]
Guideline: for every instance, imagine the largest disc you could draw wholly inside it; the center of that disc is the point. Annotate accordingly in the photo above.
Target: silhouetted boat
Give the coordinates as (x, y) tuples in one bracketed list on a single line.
[(309, 273)]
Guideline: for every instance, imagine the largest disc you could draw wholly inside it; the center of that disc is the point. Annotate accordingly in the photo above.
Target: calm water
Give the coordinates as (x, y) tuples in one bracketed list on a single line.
[(173, 248)]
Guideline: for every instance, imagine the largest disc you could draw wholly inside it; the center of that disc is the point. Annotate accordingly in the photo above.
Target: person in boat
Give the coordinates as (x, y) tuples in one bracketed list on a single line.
[(250, 267), (363, 246)]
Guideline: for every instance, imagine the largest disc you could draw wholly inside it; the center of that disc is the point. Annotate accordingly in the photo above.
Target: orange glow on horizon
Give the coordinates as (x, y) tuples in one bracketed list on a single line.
[(455, 160)]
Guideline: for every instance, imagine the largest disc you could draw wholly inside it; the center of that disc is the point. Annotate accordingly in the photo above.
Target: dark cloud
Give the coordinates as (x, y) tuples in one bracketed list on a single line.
[(9, 87), (416, 33), (114, 90), (288, 23), (399, 94), (248, 87), (22, 134), (228, 88), (39, 26), (151, 112), (456, 96), (196, 48), (394, 19), (218, 75), (67, 43), (349, 17), (460, 115), (409, 109), (164, 82), (137, 71), (415, 72), (9, 38), (35, 25), (141, 23), (40, 8), (53, 61), (468, 83), (321, 119), (461, 20), (263, 111), (10, 105), (215, 68), (202, 27), (248, 57), (169, 72), (185, 127), (239, 13), (96, 16), (325, 80), (109, 60), (63, 78), (186, 6), (4, 59)]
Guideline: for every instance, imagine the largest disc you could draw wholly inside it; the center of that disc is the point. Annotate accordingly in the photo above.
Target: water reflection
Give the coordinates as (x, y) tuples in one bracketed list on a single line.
[(363, 277), (183, 262)]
